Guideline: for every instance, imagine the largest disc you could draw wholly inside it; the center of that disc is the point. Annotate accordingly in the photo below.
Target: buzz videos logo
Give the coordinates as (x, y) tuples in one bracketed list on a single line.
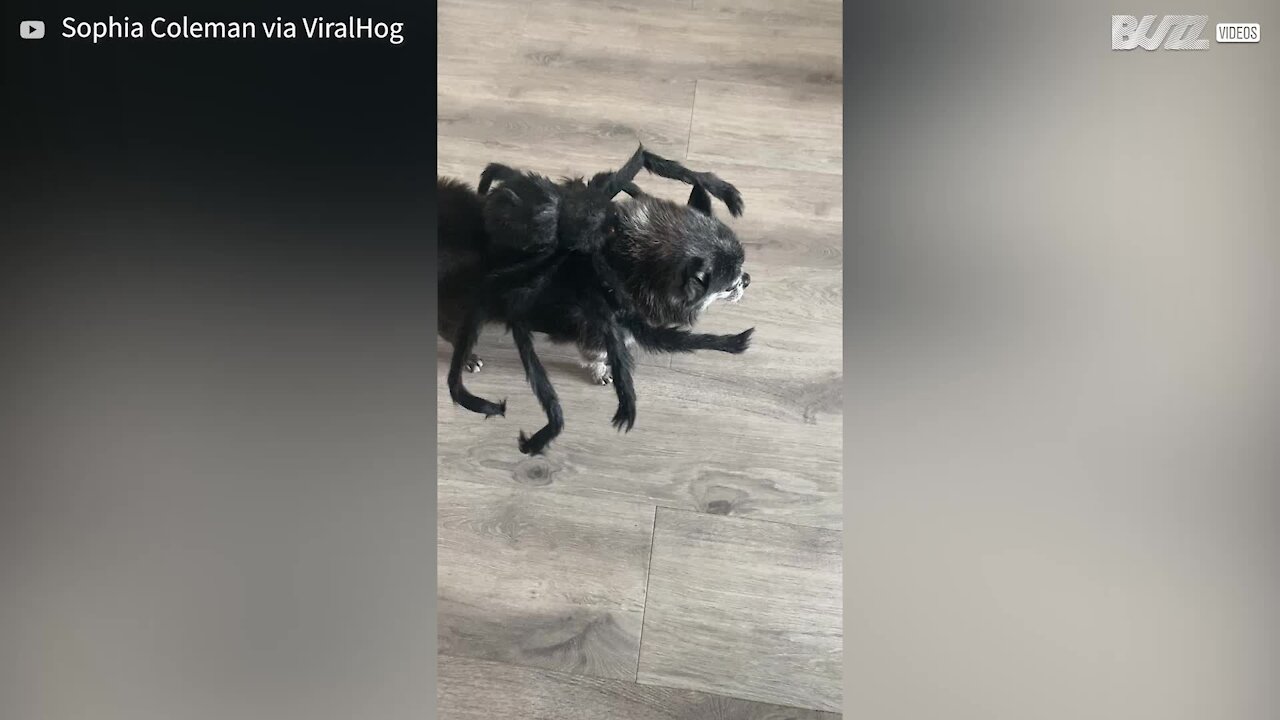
[(1175, 32)]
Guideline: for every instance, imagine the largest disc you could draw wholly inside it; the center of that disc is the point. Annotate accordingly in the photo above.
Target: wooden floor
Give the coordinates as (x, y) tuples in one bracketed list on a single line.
[(691, 568)]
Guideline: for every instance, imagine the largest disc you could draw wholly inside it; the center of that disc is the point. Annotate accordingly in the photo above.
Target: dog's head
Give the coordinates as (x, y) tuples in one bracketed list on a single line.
[(682, 259)]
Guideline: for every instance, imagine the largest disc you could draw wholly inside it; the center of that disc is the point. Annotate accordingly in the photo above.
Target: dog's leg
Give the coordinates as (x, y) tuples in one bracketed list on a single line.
[(468, 334), (672, 340), (620, 363), (597, 363), (596, 360), (542, 388), (449, 331)]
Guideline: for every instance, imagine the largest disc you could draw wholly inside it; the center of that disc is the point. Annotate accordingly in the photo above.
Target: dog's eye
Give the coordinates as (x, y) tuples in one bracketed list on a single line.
[(701, 278)]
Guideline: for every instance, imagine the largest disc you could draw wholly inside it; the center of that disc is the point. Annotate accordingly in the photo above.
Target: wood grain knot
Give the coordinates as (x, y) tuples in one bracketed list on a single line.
[(534, 471), (720, 500), (719, 507)]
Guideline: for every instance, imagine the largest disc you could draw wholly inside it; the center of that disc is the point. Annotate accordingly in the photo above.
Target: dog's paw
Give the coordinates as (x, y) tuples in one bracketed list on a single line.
[(474, 363), (601, 374), (739, 343)]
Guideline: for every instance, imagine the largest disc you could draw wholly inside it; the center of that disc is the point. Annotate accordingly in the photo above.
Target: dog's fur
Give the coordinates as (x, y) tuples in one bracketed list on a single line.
[(671, 261)]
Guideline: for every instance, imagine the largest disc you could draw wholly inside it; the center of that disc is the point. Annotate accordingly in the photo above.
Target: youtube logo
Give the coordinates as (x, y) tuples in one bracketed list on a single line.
[(31, 29)]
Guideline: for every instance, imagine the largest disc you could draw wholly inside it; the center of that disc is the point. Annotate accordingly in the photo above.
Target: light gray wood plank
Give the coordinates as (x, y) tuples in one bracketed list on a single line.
[(520, 107), (792, 217), (798, 18), (477, 690), (744, 608), (541, 579), (478, 32), (527, 75), (792, 127), (617, 39), (722, 446), (796, 197), (559, 119)]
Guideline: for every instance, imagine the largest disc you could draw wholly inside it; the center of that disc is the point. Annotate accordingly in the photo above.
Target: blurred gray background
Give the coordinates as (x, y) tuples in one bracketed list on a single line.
[(1063, 352)]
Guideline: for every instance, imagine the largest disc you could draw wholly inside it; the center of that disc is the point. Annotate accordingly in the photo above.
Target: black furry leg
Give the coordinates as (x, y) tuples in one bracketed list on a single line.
[(468, 334), (699, 200), (542, 388), (620, 363), (523, 271), (672, 170), (495, 172), (618, 180), (621, 179), (673, 340), (633, 190), (615, 289), (630, 188)]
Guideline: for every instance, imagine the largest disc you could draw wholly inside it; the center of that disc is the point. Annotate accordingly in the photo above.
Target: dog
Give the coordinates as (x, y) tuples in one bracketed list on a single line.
[(675, 260)]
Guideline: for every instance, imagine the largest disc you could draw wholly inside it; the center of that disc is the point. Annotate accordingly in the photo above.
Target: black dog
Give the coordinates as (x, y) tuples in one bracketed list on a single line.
[(663, 264)]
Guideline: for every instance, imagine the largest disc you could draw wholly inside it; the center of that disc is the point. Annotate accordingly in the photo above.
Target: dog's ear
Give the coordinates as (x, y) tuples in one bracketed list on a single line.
[(699, 199), (695, 277)]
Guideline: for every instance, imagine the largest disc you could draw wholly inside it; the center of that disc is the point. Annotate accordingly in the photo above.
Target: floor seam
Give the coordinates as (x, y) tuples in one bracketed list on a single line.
[(692, 107), (653, 538), (658, 686)]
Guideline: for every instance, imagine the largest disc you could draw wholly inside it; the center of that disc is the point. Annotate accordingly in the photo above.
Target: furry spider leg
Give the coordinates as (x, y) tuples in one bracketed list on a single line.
[(621, 179), (492, 172), (629, 188), (542, 388), (703, 183), (615, 181), (633, 190), (673, 340), (710, 182), (699, 199), (469, 334)]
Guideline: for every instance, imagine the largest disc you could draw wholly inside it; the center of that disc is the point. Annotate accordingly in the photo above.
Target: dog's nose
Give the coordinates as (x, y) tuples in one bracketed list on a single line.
[(746, 279)]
